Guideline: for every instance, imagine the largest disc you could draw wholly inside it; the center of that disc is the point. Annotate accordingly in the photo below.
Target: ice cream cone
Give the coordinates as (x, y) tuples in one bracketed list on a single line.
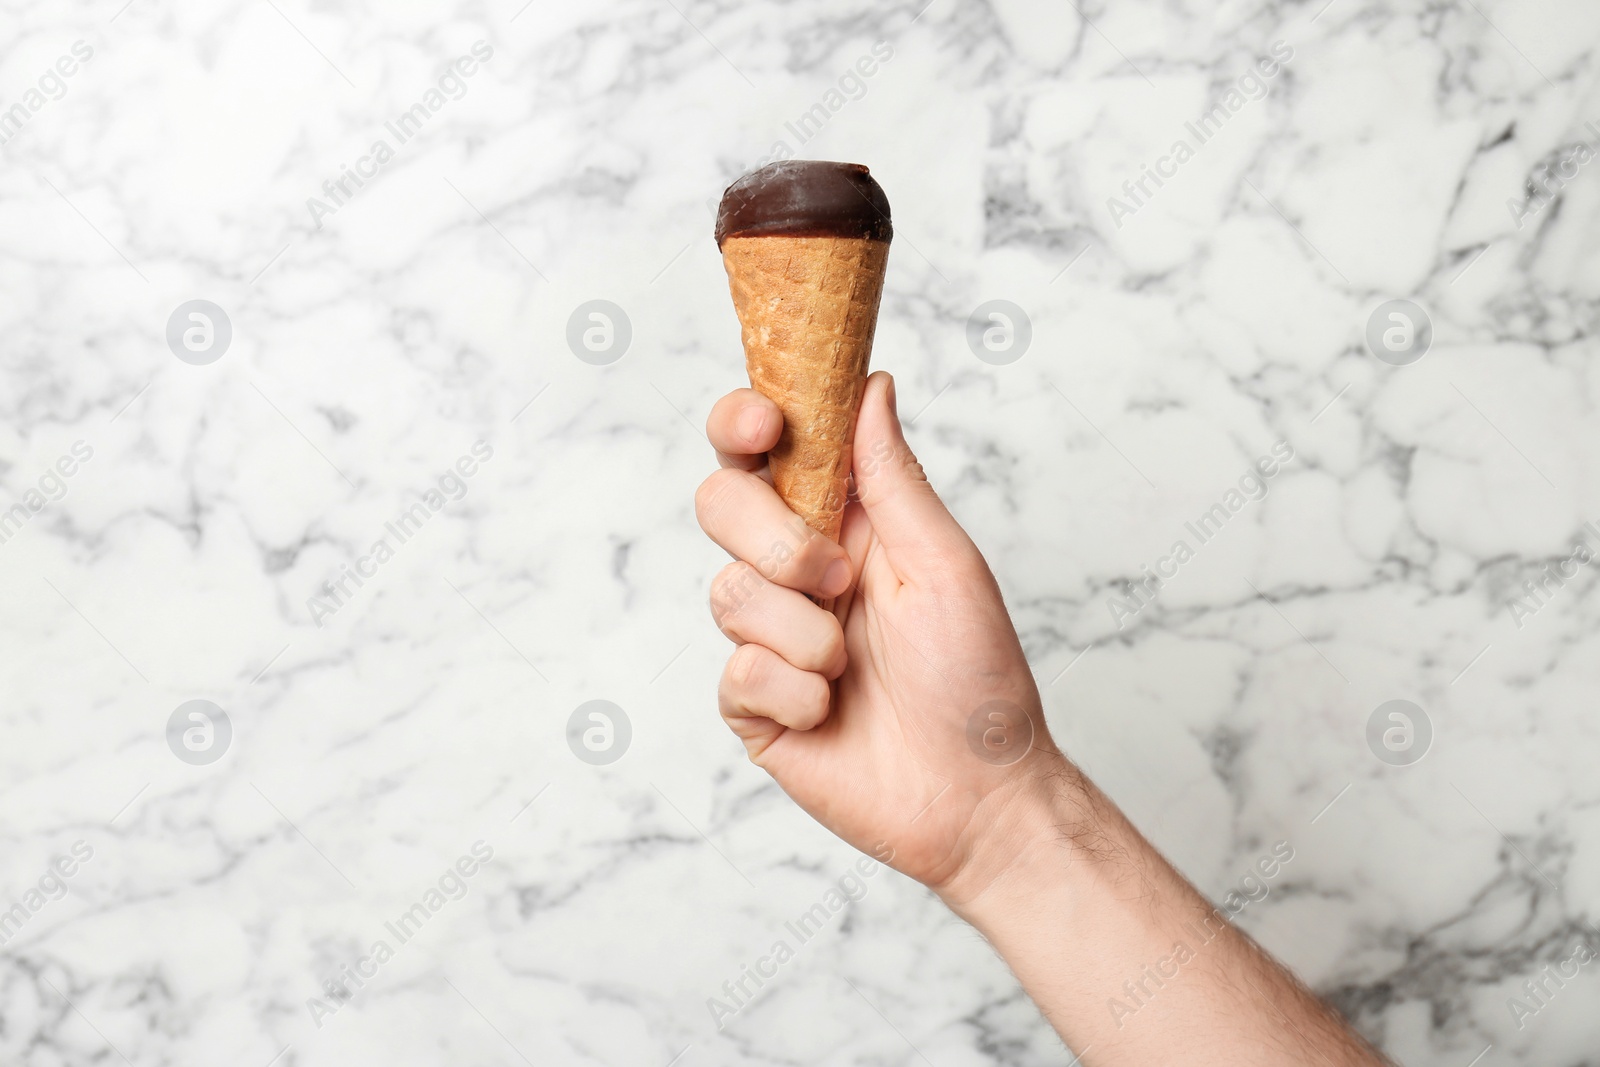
[(808, 307)]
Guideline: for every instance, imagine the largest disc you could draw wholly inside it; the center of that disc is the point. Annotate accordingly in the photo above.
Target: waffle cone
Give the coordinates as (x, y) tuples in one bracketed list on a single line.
[(808, 307)]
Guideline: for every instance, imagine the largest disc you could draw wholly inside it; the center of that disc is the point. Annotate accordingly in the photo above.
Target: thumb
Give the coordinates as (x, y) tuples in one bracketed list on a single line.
[(907, 516)]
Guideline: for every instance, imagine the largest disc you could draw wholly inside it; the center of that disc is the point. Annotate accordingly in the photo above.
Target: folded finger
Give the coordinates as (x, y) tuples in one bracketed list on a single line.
[(744, 515), (759, 684), (750, 609)]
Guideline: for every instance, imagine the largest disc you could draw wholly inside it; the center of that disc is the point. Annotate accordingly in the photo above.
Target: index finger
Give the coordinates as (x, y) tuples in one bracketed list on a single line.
[(742, 426)]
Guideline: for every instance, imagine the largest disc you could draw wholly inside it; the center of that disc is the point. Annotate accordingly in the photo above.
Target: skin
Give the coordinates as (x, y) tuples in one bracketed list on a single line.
[(862, 714)]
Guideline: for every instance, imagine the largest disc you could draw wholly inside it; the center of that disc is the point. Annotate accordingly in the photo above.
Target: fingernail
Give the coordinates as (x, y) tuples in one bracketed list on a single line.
[(752, 420), (837, 578), (893, 405)]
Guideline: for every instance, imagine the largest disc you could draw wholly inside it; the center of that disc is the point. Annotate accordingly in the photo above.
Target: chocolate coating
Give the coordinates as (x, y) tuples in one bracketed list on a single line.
[(805, 198)]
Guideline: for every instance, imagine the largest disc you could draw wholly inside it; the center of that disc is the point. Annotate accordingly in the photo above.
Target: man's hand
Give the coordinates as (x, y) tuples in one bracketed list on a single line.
[(865, 714), (906, 720)]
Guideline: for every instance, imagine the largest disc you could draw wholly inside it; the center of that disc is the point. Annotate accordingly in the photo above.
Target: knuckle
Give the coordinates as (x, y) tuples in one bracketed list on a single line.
[(745, 669), (731, 590), (958, 565), (814, 699), (712, 496), (822, 646)]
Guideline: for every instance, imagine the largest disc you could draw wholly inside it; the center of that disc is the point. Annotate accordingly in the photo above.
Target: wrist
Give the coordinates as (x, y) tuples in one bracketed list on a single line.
[(1027, 834), (1066, 892)]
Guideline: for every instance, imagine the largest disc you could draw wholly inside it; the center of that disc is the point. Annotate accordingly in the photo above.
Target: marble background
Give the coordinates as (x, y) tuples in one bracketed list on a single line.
[(377, 339)]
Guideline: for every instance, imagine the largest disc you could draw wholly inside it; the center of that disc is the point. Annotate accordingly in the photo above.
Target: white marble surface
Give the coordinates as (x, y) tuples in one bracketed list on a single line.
[(371, 752)]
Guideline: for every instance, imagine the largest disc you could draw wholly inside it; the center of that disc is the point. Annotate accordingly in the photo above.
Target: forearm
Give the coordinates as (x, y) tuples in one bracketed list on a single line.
[(1128, 962)]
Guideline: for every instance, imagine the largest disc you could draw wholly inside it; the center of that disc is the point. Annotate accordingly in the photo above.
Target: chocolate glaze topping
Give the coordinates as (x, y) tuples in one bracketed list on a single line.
[(805, 198)]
